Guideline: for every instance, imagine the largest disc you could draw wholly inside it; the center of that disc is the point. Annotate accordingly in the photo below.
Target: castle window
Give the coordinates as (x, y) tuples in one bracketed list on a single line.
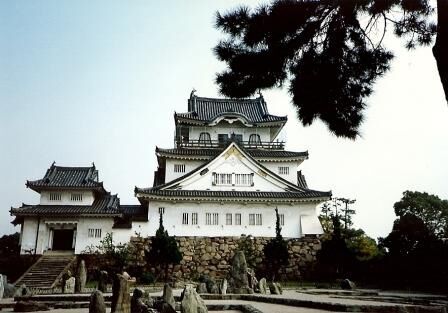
[(161, 210), (179, 168), (254, 139), (185, 218), (228, 218), (55, 196), (255, 219), (281, 217), (94, 233), (237, 218), (204, 138), (215, 218), (208, 218), (194, 218), (76, 197), (220, 179), (244, 179), (283, 170), (223, 138)]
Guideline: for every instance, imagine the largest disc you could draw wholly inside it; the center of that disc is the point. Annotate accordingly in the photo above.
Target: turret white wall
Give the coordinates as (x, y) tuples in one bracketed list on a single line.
[(226, 128), (87, 197)]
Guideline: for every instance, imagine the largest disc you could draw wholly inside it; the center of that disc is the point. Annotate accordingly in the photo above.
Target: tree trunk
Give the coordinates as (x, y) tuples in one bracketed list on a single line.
[(440, 49)]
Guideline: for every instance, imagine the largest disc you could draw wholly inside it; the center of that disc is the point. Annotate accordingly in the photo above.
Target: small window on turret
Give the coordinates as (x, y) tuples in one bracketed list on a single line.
[(179, 168), (76, 197), (283, 170), (55, 196), (204, 139), (254, 139)]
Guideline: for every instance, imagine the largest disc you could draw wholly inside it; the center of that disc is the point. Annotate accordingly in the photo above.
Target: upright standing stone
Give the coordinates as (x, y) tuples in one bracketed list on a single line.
[(102, 281), (223, 287), (252, 279), (137, 305), (262, 286), (70, 285), (168, 296), (2, 286), (97, 304), (121, 301), (22, 291), (273, 288), (81, 276), (192, 302), (201, 288), (237, 277)]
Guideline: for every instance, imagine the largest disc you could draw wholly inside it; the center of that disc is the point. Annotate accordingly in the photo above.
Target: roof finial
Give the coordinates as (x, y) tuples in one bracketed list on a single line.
[(192, 93), (260, 95), (52, 164)]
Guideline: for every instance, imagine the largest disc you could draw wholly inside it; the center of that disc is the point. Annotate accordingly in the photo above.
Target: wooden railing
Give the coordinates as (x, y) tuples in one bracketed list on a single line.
[(275, 145)]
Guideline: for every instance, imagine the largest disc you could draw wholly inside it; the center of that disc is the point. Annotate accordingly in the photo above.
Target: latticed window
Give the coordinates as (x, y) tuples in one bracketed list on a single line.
[(283, 170), (237, 218), (251, 219), (55, 196), (208, 218), (220, 179), (258, 220), (204, 138), (228, 218), (185, 218), (179, 168), (194, 218), (94, 233), (254, 139), (76, 197), (244, 179), (161, 210), (215, 218), (281, 217)]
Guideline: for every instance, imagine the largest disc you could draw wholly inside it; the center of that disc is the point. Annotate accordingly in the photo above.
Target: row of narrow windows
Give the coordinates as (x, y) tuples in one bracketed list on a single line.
[(94, 233), (76, 197), (255, 219), (227, 179), (205, 138)]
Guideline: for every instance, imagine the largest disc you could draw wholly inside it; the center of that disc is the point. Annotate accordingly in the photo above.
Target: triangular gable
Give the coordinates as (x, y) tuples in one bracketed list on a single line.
[(233, 159)]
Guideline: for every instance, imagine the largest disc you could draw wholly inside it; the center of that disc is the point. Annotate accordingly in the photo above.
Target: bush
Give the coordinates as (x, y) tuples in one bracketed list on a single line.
[(147, 278)]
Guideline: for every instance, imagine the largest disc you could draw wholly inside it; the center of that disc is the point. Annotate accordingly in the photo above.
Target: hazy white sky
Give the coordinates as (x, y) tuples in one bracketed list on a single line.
[(85, 81)]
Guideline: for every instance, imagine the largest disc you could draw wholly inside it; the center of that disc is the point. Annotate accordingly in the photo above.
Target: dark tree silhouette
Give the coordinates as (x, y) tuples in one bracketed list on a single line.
[(430, 209), (164, 250), (325, 51), (276, 250)]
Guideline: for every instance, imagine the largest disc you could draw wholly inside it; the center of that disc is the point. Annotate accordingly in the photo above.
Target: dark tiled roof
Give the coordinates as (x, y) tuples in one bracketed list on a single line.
[(233, 194), (137, 213), (255, 153), (301, 181), (107, 205), (208, 109), (67, 177)]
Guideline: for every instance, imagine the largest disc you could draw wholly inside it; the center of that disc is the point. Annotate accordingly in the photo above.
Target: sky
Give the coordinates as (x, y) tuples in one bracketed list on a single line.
[(99, 81)]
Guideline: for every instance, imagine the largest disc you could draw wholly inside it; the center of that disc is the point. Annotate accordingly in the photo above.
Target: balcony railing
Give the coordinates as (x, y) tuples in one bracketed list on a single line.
[(276, 145)]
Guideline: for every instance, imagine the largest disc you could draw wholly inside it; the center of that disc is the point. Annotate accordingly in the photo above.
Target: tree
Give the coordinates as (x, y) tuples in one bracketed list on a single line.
[(119, 254), (325, 51), (432, 211), (9, 244), (276, 250), (164, 250)]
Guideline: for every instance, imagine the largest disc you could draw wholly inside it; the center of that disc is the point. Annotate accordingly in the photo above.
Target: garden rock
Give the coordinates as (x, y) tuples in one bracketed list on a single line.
[(121, 302), (223, 287), (97, 304), (347, 284), (237, 277), (30, 306), (102, 281), (9, 291), (22, 291), (70, 285), (273, 288), (81, 276), (192, 302), (201, 288), (137, 305), (148, 300), (252, 280), (2, 286), (262, 286), (168, 296)]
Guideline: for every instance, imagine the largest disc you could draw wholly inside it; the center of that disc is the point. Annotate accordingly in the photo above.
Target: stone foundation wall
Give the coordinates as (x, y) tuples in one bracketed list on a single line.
[(212, 255)]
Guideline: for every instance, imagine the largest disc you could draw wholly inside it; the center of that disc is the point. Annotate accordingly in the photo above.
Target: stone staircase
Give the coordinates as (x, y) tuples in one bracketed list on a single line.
[(46, 272)]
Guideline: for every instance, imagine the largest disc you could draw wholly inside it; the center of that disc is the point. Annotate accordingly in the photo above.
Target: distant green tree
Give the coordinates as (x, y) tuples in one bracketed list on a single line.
[(119, 254), (164, 250), (276, 251), (432, 211), (9, 244)]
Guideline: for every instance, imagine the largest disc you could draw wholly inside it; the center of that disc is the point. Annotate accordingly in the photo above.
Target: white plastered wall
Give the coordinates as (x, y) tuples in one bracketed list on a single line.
[(87, 197), (226, 128), (172, 218), (189, 166)]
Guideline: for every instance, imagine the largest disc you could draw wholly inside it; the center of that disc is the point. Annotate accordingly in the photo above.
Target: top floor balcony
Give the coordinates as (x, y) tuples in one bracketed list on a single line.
[(211, 144)]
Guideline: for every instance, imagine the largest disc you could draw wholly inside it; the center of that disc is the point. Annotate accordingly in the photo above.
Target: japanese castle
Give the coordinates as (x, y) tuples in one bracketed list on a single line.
[(225, 176)]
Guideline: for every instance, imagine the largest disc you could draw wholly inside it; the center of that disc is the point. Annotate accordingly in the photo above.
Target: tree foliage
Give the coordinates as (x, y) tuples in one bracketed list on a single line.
[(164, 250), (276, 251), (430, 209), (327, 52), (119, 254)]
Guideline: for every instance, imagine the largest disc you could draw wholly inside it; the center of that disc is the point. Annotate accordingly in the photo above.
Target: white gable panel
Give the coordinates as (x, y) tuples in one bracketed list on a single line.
[(232, 161)]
